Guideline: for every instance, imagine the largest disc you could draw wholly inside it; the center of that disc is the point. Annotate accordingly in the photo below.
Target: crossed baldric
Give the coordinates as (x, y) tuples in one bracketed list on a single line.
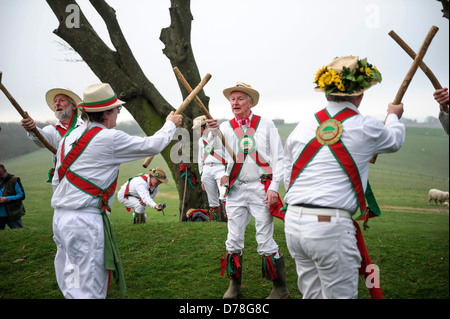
[(193, 92)]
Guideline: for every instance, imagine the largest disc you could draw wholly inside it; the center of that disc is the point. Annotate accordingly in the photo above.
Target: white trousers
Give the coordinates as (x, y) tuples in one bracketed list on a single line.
[(131, 202), (79, 261), (211, 181), (326, 255), (243, 202)]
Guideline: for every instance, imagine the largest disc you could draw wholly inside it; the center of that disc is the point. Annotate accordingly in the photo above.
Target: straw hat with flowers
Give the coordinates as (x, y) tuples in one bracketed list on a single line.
[(346, 76)]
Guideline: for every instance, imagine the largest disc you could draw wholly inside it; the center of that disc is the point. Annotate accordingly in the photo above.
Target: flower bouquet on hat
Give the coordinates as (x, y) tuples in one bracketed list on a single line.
[(346, 76)]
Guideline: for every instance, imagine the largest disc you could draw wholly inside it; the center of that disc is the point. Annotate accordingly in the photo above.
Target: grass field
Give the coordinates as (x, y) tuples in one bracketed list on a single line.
[(166, 259)]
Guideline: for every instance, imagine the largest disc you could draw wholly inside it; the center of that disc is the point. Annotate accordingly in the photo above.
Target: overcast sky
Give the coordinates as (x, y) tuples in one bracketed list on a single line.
[(275, 46)]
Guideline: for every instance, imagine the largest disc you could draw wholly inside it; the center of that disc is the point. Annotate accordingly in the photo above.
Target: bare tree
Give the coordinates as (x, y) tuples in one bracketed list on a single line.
[(119, 68), (445, 7)]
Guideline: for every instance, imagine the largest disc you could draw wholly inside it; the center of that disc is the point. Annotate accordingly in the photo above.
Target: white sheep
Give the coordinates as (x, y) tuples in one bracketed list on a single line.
[(437, 195)]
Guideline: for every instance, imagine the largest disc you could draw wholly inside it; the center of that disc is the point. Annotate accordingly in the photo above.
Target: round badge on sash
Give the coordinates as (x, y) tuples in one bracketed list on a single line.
[(208, 149), (329, 132), (247, 144)]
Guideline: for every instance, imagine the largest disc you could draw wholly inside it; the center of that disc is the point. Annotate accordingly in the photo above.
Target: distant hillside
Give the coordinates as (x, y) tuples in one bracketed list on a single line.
[(14, 141)]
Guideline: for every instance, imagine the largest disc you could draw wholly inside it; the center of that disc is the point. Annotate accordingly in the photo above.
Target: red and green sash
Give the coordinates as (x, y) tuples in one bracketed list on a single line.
[(62, 131), (347, 163), (89, 188), (127, 188), (247, 147), (111, 250), (210, 151), (343, 157)]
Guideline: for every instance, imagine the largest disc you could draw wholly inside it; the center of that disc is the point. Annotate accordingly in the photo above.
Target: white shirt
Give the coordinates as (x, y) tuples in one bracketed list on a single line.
[(51, 134), (267, 143), (218, 148), (323, 182), (100, 161), (142, 189)]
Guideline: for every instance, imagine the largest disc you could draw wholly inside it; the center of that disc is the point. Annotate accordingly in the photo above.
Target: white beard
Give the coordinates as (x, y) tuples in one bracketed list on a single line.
[(64, 115)]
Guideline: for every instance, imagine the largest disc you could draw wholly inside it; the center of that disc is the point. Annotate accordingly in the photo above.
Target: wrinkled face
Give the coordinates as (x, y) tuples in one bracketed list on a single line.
[(63, 107), (240, 104)]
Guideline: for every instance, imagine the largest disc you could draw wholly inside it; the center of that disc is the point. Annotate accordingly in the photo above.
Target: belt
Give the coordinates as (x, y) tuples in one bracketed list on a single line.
[(212, 164), (323, 213)]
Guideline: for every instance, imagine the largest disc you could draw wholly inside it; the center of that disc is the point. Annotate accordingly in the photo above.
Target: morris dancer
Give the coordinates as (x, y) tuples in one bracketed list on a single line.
[(326, 162), (211, 166), (140, 191), (84, 183), (260, 153), (63, 103)]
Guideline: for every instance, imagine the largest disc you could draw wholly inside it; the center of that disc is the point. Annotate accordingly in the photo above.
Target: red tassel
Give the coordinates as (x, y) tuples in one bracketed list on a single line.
[(223, 266), (375, 290)]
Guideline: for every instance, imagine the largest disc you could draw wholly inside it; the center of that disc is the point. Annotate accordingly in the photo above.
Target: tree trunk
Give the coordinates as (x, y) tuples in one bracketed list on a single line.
[(120, 69)]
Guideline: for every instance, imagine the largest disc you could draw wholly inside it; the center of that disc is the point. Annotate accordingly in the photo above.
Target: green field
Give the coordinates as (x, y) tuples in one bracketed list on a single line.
[(166, 259)]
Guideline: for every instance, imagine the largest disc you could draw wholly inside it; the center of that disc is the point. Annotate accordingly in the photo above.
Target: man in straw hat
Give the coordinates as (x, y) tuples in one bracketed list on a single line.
[(211, 166), (326, 161), (249, 191), (140, 191), (63, 103), (84, 183)]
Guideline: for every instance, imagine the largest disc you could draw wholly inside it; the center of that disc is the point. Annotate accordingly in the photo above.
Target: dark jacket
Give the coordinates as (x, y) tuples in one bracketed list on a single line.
[(15, 208)]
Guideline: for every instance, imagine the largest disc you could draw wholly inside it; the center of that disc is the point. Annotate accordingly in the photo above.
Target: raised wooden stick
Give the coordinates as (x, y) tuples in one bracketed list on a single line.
[(188, 100), (24, 115), (415, 65), (434, 81), (205, 111)]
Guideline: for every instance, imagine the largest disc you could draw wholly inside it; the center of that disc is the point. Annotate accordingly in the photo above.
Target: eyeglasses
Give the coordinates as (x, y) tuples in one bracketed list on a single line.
[(158, 174)]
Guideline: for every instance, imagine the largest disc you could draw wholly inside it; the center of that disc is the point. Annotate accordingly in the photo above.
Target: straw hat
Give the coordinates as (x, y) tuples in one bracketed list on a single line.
[(199, 121), (50, 96), (245, 88), (159, 174), (99, 97), (358, 76)]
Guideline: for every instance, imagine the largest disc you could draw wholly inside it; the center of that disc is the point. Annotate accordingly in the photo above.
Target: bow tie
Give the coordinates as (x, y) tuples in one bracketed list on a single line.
[(245, 121)]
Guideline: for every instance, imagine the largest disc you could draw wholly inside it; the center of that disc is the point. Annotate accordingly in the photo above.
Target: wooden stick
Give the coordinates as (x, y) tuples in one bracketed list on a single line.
[(413, 54), (186, 102), (422, 65), (193, 94), (205, 111), (417, 60), (184, 193), (148, 161), (24, 115)]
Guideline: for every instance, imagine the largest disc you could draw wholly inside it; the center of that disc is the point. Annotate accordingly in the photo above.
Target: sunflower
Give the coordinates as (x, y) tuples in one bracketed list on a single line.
[(327, 78), (319, 73), (338, 82)]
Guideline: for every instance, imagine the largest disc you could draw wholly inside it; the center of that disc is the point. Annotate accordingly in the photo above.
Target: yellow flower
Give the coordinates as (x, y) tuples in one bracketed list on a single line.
[(375, 69), (367, 71), (319, 73), (338, 82), (327, 78)]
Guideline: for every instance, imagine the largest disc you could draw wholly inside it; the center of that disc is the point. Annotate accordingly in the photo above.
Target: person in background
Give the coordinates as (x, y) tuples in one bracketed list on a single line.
[(11, 196), (211, 166), (140, 191), (63, 103)]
